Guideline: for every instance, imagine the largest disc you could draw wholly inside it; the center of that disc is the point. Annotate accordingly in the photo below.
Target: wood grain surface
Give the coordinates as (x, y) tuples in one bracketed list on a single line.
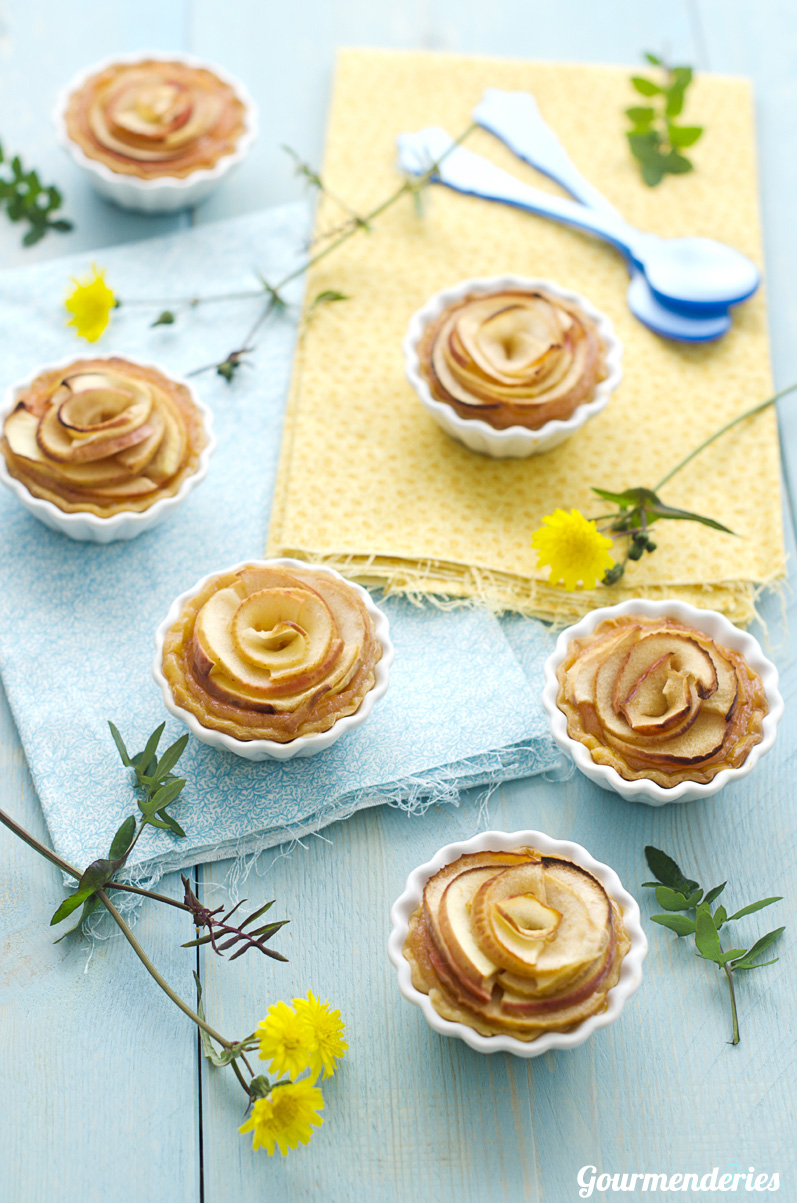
[(102, 1096)]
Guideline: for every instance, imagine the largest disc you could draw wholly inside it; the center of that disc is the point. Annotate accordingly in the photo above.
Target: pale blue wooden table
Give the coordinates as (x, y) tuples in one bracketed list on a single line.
[(102, 1092)]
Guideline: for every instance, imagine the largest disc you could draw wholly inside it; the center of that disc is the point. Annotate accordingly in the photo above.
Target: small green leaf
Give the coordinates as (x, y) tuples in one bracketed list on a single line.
[(641, 115), (682, 77), (69, 905), (720, 915), (673, 900), (169, 759), (165, 318), (707, 937), (165, 795), (328, 297), (645, 87), (683, 135), (171, 823), (146, 757), (653, 59), (714, 894), (680, 924), (675, 101), (675, 164), (753, 907), (668, 873), (123, 839), (89, 907), (760, 946)]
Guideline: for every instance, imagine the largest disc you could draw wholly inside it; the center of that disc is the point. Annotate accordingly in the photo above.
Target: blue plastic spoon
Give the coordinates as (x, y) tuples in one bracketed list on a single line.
[(515, 118), (708, 291)]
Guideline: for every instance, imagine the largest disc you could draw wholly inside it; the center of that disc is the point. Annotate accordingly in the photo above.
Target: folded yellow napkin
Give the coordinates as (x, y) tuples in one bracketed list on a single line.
[(370, 484)]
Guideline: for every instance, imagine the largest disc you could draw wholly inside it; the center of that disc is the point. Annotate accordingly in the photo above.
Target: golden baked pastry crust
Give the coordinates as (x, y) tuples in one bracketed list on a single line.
[(153, 119), (691, 732), (203, 665), (512, 358), (560, 1005), (182, 435)]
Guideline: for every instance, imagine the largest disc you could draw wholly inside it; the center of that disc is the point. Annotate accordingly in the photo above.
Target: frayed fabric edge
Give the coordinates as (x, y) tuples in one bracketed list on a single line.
[(414, 795)]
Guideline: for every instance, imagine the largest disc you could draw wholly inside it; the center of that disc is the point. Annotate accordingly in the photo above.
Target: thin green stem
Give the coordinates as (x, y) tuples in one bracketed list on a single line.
[(748, 413), (37, 846), (153, 972), (405, 188), (65, 867), (240, 1077), (214, 299), (120, 885), (729, 975)]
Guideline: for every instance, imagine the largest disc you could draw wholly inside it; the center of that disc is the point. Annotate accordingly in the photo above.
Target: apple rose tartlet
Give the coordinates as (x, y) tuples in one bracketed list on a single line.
[(271, 653), (155, 118), (103, 436), (516, 942), (658, 700), (515, 357)]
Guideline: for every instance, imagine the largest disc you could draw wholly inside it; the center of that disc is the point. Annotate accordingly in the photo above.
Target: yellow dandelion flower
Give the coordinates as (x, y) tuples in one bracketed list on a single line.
[(328, 1029), (574, 548), (90, 302), (286, 1040), (285, 1117)]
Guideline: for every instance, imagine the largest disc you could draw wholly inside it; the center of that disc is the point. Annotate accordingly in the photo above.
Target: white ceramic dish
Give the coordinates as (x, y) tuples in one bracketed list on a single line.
[(503, 841), (163, 194), (717, 627), (87, 527), (270, 749), (516, 442)]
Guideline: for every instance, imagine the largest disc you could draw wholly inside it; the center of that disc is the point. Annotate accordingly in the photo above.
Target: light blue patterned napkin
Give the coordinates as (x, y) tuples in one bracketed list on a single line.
[(77, 619)]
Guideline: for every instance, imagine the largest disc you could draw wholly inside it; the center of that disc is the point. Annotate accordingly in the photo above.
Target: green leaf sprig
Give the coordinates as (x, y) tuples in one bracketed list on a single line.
[(655, 138), (639, 508), (160, 787), (26, 199), (689, 913)]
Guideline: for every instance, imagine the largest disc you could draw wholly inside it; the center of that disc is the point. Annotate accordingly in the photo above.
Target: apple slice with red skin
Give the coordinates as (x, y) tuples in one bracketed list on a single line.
[(57, 444), (464, 956), (662, 702), (437, 886), (687, 657), (702, 741), (20, 433)]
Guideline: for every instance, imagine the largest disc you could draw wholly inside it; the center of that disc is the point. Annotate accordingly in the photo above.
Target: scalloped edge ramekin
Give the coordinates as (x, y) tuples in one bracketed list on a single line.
[(516, 442), (162, 194), (503, 841), (303, 745), (91, 528), (711, 623)]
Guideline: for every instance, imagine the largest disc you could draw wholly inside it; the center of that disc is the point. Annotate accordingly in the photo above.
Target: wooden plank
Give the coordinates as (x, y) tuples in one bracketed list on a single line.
[(98, 1069), (41, 48)]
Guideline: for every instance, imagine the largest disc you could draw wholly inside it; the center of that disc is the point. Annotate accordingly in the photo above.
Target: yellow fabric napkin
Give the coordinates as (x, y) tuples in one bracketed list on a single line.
[(370, 484)]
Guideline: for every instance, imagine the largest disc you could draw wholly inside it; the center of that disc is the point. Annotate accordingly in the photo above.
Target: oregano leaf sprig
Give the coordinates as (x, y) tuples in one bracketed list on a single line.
[(689, 913), (655, 138), (26, 199)]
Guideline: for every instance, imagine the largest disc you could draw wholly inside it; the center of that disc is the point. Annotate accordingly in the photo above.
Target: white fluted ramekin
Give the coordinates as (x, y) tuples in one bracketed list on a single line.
[(503, 841), (91, 528), (160, 194), (516, 442), (271, 749), (711, 623)]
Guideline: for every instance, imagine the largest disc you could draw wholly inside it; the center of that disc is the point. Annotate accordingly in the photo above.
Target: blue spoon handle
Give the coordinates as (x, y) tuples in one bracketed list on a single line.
[(467, 172), (515, 118)]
